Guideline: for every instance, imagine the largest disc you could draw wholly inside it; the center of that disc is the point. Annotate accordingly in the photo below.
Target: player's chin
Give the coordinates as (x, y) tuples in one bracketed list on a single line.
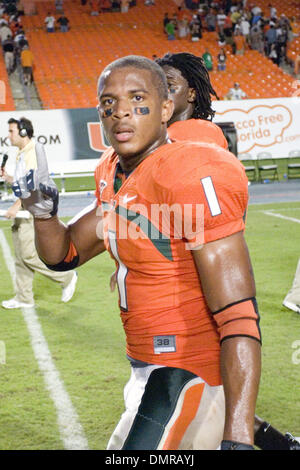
[(125, 149)]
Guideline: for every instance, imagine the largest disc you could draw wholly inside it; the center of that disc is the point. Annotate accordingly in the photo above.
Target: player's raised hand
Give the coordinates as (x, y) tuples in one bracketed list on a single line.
[(38, 192)]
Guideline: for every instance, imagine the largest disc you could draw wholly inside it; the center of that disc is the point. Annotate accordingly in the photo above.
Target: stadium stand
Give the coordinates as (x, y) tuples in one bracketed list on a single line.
[(68, 64), (6, 99)]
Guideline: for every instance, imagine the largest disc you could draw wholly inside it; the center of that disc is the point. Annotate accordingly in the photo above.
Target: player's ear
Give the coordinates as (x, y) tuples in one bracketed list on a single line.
[(191, 95), (167, 110)]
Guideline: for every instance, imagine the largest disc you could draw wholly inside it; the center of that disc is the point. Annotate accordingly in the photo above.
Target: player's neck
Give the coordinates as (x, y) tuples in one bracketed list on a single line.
[(130, 162), (183, 116)]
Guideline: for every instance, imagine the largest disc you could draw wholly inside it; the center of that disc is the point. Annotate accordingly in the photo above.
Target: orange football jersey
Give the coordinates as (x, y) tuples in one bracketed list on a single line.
[(181, 196), (197, 130)]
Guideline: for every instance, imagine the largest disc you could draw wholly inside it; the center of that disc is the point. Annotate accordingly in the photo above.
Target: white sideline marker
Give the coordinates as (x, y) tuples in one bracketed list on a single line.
[(70, 429), (280, 216)]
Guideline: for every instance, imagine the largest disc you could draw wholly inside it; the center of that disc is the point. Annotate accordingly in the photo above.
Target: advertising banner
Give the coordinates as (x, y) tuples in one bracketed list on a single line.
[(269, 125)]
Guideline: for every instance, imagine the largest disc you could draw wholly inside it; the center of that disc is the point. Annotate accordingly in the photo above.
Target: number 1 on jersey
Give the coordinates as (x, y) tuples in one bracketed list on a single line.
[(211, 196), (122, 271)]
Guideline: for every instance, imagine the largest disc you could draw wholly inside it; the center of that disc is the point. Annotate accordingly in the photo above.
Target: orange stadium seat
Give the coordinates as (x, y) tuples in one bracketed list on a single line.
[(67, 65)]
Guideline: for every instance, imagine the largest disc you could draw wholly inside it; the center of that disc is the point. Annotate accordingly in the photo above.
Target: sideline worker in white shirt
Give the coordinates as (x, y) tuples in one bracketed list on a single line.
[(27, 261), (236, 93)]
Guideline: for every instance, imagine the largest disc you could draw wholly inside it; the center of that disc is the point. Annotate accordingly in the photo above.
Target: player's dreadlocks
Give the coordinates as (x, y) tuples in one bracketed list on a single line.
[(194, 71)]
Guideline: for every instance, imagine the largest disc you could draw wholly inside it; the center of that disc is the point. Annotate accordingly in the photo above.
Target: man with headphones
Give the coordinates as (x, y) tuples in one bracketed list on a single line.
[(27, 260)]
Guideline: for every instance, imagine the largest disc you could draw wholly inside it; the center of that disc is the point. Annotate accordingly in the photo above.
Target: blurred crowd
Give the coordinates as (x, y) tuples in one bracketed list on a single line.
[(240, 25), (13, 40)]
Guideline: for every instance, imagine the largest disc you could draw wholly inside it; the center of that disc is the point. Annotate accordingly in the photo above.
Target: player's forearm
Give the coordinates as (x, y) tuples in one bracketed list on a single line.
[(52, 239), (240, 369)]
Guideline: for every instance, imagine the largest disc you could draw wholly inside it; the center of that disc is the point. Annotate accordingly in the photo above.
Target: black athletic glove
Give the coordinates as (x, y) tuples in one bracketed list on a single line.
[(233, 445)]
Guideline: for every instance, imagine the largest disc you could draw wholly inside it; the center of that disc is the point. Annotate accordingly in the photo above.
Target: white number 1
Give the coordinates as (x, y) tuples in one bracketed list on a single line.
[(122, 271), (211, 196)]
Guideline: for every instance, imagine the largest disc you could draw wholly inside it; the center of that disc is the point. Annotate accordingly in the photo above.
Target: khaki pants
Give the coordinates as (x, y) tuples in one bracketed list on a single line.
[(294, 293), (27, 262), (9, 61)]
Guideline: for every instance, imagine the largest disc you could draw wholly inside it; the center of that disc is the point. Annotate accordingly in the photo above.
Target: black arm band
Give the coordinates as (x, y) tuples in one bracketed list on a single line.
[(64, 265)]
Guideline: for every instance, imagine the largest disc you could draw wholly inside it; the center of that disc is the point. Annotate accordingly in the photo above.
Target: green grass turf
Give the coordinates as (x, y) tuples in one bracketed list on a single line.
[(87, 343)]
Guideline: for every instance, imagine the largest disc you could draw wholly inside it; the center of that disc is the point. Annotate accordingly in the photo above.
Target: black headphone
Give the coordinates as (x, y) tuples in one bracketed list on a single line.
[(22, 129)]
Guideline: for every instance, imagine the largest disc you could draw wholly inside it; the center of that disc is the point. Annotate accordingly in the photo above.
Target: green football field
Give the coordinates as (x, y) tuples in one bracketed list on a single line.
[(85, 347)]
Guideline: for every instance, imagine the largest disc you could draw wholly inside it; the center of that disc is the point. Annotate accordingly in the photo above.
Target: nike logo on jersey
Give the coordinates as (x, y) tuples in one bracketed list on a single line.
[(127, 199), (102, 186)]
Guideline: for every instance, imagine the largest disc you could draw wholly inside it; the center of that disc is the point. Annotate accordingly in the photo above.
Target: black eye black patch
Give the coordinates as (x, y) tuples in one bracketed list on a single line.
[(107, 112), (142, 110)]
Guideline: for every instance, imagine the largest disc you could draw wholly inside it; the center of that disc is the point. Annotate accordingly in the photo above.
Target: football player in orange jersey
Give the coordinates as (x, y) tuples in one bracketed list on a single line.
[(191, 90), (187, 297)]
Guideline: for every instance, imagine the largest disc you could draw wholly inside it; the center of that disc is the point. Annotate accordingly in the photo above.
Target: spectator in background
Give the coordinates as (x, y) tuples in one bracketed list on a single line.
[(221, 41), (208, 60), (235, 17), (229, 39), (94, 4), (256, 10), (116, 5), (221, 17), (183, 28), (195, 29), (236, 93), (245, 28), (5, 31), (256, 19), (166, 20), (270, 37), (297, 65), (59, 4), (8, 47), (240, 42), (63, 21), (124, 6), (21, 40), (273, 55), (273, 12), (227, 27), (211, 20), (222, 60), (281, 42), (105, 5), (50, 23), (14, 26), (27, 65), (257, 39), (170, 30)]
